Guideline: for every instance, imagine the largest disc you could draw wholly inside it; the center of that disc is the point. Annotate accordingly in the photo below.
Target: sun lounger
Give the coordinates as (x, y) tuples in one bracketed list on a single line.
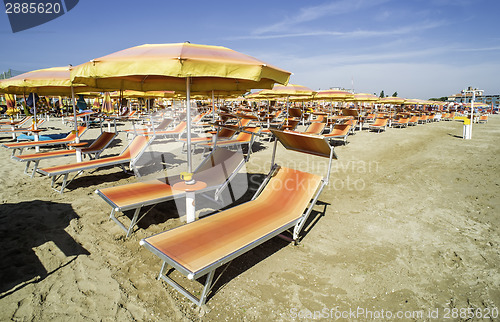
[(283, 201), (31, 144), (413, 120), (315, 128), (161, 127), (339, 131), (133, 151), (483, 119), (93, 151), (14, 131), (217, 171), (245, 137), (19, 123), (401, 122), (379, 125), (176, 132), (422, 119)]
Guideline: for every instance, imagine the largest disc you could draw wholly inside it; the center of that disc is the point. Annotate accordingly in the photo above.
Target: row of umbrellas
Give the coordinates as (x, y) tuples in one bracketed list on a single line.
[(156, 67)]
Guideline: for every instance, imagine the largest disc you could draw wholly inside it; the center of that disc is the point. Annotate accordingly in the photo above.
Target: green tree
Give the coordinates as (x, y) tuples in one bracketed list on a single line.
[(382, 94), (395, 94)]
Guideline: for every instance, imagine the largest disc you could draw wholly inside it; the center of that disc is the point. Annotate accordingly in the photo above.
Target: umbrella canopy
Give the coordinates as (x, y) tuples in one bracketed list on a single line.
[(49, 81), (335, 95), (392, 100), (179, 67), (137, 94), (364, 97), (165, 67), (287, 90)]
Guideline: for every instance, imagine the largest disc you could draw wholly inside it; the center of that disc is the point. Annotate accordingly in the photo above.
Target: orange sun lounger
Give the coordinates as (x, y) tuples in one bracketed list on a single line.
[(217, 171), (131, 153), (283, 201), (245, 137), (95, 149), (401, 122), (31, 144), (176, 132), (339, 131), (379, 125), (161, 127)]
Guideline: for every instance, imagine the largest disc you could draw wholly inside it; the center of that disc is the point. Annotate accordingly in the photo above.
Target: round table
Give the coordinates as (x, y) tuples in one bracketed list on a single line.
[(78, 148)]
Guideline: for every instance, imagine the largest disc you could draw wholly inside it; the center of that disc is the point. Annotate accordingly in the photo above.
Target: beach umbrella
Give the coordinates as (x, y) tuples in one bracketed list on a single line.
[(179, 67), (334, 95), (49, 81), (392, 100), (282, 91)]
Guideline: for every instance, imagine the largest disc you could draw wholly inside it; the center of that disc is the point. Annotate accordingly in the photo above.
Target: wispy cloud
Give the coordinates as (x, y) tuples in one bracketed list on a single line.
[(347, 34), (307, 14)]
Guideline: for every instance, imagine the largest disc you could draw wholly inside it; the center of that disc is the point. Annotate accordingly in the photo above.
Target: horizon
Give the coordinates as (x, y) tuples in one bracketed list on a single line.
[(420, 49)]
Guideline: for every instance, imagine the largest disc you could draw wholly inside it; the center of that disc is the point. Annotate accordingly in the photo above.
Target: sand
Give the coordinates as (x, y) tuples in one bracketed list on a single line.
[(409, 223)]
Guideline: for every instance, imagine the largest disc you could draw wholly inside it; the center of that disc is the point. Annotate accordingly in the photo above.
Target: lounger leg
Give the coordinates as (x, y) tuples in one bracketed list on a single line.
[(206, 289), (302, 222), (183, 291), (34, 168), (27, 166), (134, 221), (63, 185)]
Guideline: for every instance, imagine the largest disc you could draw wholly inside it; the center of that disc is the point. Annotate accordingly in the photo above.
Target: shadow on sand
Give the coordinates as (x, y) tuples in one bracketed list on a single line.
[(28, 225)]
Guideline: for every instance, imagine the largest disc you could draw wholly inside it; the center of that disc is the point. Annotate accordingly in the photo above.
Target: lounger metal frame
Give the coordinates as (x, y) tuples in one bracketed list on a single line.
[(37, 157), (135, 219), (65, 174), (209, 270)]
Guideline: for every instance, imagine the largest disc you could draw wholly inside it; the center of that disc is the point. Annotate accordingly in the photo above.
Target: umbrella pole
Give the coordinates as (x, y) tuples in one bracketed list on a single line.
[(213, 106), (188, 122), (77, 138)]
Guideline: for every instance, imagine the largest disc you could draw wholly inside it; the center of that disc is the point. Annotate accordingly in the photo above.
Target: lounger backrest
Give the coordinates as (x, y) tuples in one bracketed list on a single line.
[(164, 124), (72, 136), (341, 129), (380, 122), (135, 147), (218, 166), (226, 133), (414, 119), (101, 142), (295, 112), (180, 127), (315, 128), (292, 124), (315, 145), (246, 137), (350, 112), (244, 122)]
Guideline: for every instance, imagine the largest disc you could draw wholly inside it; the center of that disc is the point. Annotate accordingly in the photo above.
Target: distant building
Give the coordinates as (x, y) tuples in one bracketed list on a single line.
[(467, 98)]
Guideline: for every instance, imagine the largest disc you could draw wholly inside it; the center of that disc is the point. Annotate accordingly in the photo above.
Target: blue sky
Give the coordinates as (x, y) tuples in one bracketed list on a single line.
[(419, 48)]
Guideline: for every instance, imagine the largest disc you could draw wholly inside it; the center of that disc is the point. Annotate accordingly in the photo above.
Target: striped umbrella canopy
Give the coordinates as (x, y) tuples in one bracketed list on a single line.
[(364, 97), (49, 81), (287, 91), (334, 95), (137, 94), (179, 67), (392, 100)]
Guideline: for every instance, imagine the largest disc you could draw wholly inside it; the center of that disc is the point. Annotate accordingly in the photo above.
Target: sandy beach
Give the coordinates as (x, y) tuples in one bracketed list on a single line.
[(409, 223)]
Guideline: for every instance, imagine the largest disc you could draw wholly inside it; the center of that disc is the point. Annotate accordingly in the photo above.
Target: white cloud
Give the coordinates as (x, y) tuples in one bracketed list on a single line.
[(307, 14)]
